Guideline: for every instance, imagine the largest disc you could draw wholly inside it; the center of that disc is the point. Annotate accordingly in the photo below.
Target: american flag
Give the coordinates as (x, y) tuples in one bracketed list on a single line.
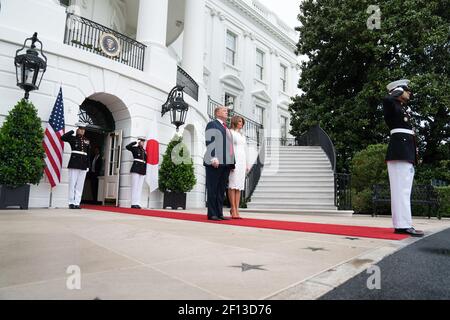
[(53, 145)]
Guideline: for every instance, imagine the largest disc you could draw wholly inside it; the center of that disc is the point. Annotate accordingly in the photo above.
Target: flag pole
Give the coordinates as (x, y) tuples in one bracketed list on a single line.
[(51, 198)]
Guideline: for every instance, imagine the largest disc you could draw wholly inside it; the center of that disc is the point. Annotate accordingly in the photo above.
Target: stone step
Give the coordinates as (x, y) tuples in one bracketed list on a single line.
[(295, 172), (298, 206), (292, 191), (302, 177), (299, 160), (279, 167), (298, 156), (297, 153), (308, 197), (294, 184)]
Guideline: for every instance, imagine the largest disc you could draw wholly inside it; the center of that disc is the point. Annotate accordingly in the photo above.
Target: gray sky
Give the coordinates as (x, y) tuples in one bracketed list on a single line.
[(287, 10)]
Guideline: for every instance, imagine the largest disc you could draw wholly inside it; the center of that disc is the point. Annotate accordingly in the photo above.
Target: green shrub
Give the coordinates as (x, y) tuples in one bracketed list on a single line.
[(177, 169), (362, 201), (368, 167), (425, 173), (21, 151), (444, 200)]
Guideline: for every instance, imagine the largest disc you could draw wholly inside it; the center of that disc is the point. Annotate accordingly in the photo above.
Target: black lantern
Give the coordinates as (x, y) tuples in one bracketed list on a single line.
[(30, 66), (176, 106)]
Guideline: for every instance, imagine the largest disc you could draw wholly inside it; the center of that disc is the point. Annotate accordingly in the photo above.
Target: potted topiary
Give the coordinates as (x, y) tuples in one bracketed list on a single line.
[(21, 155), (176, 175)]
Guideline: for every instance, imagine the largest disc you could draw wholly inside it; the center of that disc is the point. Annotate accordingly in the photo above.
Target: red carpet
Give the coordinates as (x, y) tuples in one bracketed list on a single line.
[(343, 230)]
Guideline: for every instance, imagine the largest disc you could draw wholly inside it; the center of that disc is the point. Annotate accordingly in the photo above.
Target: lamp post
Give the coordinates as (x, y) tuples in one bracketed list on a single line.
[(177, 107), (30, 66)]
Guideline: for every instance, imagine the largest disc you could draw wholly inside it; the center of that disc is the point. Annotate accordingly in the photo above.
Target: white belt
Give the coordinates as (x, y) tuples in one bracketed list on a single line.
[(402, 131), (139, 160), (79, 152)]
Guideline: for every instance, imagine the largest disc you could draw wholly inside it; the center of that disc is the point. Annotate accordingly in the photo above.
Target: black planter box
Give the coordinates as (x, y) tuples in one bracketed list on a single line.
[(174, 200), (10, 197)]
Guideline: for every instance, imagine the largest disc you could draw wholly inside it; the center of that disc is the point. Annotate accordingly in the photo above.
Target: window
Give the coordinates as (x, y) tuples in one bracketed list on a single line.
[(259, 64), (260, 114), (283, 78), (230, 101), (231, 48)]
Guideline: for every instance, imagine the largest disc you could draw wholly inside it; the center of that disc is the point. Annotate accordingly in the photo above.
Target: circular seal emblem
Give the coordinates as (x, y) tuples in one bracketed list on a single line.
[(110, 45)]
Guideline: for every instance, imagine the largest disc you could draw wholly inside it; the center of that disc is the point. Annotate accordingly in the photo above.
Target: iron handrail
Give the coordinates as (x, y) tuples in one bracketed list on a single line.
[(86, 34)]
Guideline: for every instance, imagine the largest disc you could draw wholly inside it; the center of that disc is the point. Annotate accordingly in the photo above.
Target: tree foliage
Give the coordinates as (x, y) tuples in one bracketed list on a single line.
[(21, 151), (177, 169), (348, 67)]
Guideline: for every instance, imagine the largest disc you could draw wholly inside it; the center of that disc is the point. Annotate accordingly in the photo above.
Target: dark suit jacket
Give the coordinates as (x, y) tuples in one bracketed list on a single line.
[(402, 146), (80, 144), (138, 153), (218, 145)]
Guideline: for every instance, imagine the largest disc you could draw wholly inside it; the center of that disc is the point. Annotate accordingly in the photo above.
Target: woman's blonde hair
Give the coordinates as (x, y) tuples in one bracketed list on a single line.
[(235, 121)]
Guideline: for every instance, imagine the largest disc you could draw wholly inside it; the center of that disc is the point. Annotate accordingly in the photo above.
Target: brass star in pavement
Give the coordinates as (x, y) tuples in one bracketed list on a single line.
[(315, 249), (246, 267)]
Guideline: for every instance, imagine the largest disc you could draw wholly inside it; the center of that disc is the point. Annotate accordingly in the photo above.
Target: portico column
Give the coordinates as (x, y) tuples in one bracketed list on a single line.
[(274, 93), (152, 31), (193, 39), (152, 23)]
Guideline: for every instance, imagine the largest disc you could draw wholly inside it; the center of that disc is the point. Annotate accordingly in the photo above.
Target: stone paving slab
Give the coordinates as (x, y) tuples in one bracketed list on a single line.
[(134, 257)]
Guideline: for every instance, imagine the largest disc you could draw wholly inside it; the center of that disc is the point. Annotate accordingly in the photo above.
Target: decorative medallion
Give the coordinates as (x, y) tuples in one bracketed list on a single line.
[(110, 45)]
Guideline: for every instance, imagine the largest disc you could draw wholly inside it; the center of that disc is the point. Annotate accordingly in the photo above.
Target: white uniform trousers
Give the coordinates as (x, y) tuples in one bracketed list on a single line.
[(137, 180), (401, 176), (76, 185)]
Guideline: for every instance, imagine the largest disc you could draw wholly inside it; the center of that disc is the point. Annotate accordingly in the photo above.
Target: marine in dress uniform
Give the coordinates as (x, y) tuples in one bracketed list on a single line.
[(138, 170), (78, 164), (401, 156)]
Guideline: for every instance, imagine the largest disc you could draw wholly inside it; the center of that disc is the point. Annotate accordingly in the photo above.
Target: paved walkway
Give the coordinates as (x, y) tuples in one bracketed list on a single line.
[(135, 257)]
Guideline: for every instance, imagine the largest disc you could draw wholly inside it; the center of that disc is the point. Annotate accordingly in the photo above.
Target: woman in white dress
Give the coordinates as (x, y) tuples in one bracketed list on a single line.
[(236, 181)]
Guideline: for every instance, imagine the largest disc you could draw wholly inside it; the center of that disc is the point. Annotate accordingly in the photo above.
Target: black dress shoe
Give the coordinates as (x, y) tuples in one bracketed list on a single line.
[(71, 206), (214, 218), (411, 231), (136, 207), (224, 218), (77, 207)]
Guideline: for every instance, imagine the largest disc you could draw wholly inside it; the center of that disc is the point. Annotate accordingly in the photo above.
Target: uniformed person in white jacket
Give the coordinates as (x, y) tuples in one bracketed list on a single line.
[(78, 164), (138, 170), (401, 155)]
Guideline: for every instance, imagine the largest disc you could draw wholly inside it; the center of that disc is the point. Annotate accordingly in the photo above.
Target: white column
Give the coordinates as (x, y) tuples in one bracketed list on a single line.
[(152, 23), (217, 36), (193, 39), (152, 31), (274, 93)]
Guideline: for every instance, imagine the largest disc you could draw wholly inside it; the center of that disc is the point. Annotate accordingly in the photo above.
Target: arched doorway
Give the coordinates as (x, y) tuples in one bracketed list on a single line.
[(100, 131)]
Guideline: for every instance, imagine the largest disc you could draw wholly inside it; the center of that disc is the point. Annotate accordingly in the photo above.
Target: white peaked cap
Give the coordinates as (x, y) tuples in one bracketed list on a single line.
[(395, 84)]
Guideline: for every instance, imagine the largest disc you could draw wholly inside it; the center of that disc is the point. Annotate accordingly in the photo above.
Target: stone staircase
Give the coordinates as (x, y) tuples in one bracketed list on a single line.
[(295, 180)]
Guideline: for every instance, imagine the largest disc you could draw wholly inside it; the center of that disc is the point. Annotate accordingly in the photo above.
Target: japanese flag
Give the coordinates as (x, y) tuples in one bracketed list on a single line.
[(152, 164), (152, 150)]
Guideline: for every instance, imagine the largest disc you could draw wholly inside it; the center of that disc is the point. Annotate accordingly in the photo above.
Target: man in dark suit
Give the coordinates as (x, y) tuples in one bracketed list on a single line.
[(138, 170), (401, 155), (78, 164), (218, 161)]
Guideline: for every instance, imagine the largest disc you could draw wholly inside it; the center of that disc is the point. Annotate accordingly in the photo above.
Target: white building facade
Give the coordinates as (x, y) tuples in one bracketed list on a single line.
[(234, 51)]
